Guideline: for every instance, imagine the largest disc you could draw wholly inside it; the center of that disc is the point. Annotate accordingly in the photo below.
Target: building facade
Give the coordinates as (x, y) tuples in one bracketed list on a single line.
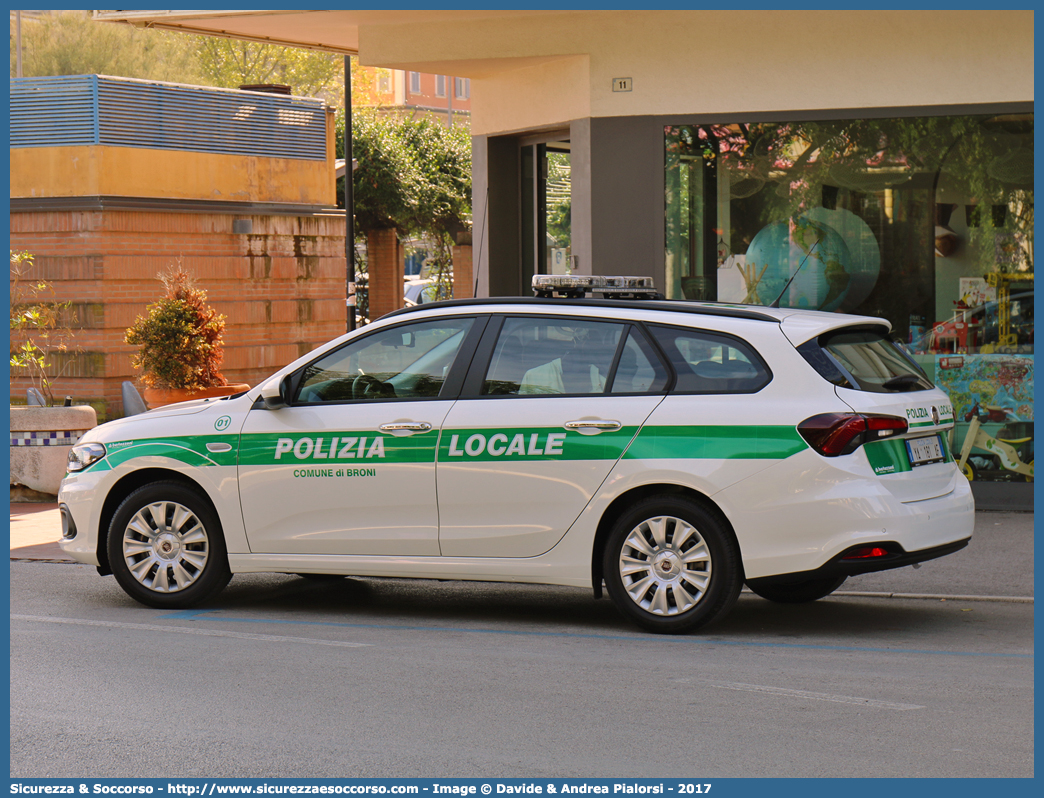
[(865, 161), (440, 97), (113, 181)]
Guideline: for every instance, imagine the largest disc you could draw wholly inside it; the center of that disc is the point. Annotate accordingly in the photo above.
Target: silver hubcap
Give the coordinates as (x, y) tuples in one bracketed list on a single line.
[(665, 565), (165, 547)]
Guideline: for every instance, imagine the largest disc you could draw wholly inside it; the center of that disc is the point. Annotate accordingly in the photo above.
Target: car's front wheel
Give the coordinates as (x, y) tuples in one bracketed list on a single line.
[(795, 592), (166, 548), (671, 566)]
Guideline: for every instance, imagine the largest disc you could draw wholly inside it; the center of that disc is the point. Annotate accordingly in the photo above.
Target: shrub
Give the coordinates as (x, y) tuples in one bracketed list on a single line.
[(39, 329), (179, 337)]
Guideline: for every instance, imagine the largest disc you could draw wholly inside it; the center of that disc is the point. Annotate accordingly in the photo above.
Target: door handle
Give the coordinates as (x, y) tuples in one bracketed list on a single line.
[(405, 426), (592, 424)]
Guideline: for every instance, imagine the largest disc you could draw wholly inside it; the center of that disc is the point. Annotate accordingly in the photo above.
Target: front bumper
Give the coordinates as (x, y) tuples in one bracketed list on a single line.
[(78, 500)]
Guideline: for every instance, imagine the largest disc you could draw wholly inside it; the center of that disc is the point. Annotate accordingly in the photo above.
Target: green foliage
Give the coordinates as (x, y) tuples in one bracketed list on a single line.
[(386, 183), (179, 337), (231, 63), (71, 43), (559, 222), (559, 201), (39, 328), (413, 175), (443, 160)]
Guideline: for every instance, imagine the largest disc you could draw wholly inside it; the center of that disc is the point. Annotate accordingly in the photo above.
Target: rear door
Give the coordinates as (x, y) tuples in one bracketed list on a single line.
[(549, 406)]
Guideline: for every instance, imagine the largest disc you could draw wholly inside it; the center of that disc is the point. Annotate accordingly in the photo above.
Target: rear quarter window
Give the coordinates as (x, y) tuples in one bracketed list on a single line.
[(864, 360), (708, 362)]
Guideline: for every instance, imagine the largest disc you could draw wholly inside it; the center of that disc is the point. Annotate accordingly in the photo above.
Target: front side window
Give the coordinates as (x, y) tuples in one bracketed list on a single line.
[(539, 356), (709, 363), (411, 361)]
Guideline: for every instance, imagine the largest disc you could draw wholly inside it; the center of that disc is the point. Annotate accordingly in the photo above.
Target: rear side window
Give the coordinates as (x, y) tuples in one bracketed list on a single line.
[(864, 360), (706, 362), (541, 356)]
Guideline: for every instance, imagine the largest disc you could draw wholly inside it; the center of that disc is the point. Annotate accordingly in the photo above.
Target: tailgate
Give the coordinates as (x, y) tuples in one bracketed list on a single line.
[(917, 465)]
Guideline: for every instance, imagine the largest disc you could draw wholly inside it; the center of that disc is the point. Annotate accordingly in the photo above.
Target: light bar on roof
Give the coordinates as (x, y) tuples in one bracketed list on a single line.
[(581, 285)]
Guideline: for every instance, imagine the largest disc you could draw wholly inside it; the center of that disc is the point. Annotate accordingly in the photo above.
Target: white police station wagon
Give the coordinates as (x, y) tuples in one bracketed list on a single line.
[(671, 450)]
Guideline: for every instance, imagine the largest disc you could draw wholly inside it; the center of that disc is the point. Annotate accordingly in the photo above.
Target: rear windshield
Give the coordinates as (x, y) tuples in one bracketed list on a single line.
[(865, 360)]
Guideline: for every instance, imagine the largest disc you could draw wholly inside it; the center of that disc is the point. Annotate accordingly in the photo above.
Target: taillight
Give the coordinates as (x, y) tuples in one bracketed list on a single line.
[(833, 434), (866, 553)]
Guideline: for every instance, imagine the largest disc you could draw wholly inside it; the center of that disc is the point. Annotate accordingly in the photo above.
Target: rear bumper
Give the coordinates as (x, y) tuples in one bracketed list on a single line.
[(805, 517), (896, 557)]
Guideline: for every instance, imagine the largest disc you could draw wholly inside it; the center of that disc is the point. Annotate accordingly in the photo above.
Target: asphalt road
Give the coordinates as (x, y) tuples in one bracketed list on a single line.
[(283, 677)]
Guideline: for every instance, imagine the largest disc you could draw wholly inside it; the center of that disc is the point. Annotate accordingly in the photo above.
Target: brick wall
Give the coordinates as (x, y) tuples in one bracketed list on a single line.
[(282, 287), (386, 265), (463, 278)]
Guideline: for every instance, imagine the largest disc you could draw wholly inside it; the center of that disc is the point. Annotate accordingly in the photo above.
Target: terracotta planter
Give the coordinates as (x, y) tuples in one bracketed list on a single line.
[(158, 397)]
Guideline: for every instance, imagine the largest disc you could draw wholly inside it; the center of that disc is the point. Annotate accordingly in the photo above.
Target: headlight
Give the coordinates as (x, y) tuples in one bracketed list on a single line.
[(83, 455)]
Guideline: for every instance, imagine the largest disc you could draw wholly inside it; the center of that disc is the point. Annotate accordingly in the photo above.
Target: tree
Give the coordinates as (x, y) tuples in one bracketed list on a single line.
[(230, 63), (413, 174), (71, 43), (40, 329), (387, 180)]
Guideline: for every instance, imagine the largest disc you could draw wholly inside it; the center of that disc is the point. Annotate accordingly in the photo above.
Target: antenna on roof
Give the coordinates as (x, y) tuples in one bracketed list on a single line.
[(775, 302)]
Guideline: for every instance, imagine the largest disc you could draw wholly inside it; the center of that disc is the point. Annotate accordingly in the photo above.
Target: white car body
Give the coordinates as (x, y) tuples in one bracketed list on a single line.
[(501, 489)]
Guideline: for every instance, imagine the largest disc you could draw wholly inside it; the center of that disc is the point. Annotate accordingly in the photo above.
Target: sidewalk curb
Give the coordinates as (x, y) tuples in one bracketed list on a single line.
[(936, 597), (921, 596)]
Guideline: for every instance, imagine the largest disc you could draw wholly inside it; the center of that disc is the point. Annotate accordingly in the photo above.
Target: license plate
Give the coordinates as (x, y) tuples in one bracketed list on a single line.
[(925, 450)]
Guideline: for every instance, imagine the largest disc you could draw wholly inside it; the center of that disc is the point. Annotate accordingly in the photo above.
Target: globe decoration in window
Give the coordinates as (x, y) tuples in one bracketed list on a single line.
[(812, 256)]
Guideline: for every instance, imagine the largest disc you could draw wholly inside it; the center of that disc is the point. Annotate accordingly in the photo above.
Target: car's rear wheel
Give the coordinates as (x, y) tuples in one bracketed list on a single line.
[(671, 566), (795, 592), (166, 548)]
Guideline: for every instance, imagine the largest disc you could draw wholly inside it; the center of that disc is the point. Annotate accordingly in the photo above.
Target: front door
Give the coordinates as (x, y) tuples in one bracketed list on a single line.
[(349, 466)]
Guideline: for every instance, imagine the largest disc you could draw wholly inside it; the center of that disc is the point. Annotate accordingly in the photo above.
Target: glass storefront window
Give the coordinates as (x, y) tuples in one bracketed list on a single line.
[(926, 221)]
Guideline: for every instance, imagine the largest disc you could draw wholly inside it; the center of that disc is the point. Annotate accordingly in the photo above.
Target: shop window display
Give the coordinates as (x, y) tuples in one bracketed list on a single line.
[(926, 221)]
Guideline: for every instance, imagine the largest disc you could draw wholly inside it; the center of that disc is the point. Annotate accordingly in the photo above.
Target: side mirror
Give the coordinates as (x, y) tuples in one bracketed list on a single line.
[(276, 394)]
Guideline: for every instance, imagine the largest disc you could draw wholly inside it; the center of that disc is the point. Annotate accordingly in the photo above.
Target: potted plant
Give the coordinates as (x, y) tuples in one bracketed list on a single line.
[(179, 344), (41, 434)]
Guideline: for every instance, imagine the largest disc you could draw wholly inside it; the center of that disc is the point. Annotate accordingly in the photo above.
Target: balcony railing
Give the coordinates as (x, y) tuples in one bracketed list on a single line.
[(121, 112)]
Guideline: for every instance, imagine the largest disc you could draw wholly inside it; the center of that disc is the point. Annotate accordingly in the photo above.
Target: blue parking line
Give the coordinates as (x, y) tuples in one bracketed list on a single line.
[(211, 615)]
